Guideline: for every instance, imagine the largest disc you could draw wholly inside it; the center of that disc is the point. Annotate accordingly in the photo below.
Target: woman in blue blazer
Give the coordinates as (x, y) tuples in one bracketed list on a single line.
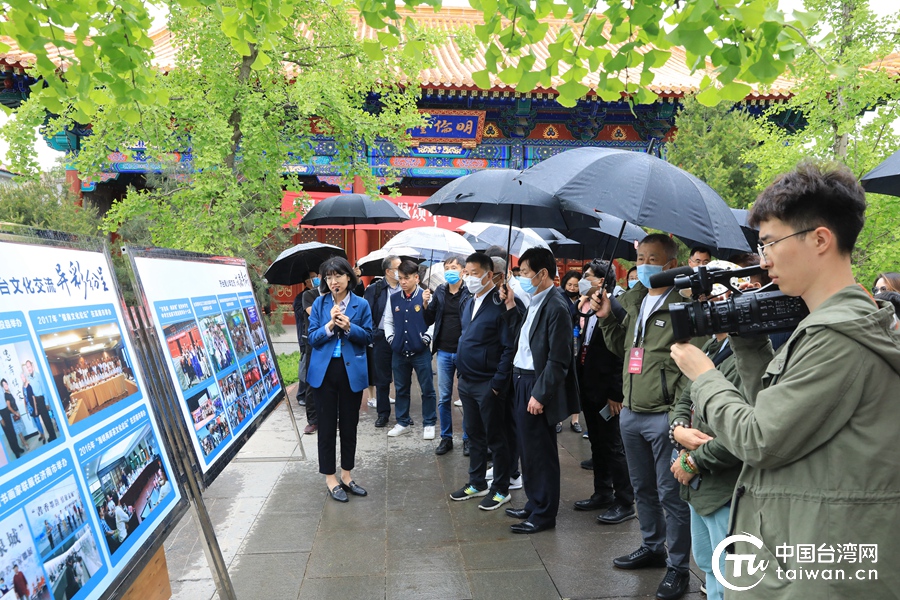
[(340, 329)]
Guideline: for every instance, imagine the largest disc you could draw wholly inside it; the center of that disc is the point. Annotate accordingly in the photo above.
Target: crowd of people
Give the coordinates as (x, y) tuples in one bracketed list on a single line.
[(217, 430), (239, 334), (785, 438), (89, 373), (194, 364), (217, 339)]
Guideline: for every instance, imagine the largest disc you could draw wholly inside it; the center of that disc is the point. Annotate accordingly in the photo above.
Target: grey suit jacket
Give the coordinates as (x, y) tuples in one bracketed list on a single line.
[(552, 341)]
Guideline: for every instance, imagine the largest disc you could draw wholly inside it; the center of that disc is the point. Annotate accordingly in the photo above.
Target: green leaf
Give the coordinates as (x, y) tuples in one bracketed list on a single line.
[(262, 60), (482, 79), (735, 91), (130, 115), (388, 40), (807, 19), (559, 11), (528, 82), (373, 50), (570, 92), (709, 96)]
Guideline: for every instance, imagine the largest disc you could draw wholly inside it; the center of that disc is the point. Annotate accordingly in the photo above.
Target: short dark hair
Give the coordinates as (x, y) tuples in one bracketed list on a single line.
[(408, 267), (573, 274), (515, 268), (629, 271), (702, 249), (386, 262), (663, 240), (602, 268), (496, 250), (539, 258), (815, 195), (482, 260), (337, 265), (893, 298), (893, 279), (2, 381), (751, 259), (453, 258)]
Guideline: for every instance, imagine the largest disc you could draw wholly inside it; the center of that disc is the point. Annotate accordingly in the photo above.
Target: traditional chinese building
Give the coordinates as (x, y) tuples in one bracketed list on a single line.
[(469, 129)]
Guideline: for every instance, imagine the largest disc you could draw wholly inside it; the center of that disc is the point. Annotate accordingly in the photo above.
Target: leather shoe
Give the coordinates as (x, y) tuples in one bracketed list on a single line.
[(444, 447), (595, 502), (353, 489), (576, 427), (465, 447), (617, 514), (529, 527), (588, 464), (517, 513), (301, 401), (381, 422), (641, 558), (311, 428), (674, 585), (338, 494)]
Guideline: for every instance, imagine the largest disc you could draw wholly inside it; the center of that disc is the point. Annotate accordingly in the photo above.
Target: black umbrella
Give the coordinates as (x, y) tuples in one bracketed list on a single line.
[(294, 264), (640, 189), (353, 209), (885, 178), (751, 235), (613, 235)]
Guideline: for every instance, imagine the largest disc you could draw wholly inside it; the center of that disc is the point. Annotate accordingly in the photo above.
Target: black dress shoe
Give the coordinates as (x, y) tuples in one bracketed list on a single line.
[(338, 494), (641, 558), (353, 489), (444, 447), (381, 422), (617, 514), (517, 513), (465, 447), (595, 502), (529, 527), (576, 427), (588, 464), (559, 427), (674, 585)]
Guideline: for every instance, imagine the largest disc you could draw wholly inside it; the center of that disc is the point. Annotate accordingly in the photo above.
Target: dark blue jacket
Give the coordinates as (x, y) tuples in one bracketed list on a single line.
[(435, 311), (376, 295), (409, 332), (487, 345), (353, 344)]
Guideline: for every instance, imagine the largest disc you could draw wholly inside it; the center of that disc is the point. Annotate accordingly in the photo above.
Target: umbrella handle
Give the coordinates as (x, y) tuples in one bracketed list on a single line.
[(613, 250)]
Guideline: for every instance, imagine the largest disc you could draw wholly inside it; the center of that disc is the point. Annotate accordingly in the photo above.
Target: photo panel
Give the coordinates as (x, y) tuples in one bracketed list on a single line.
[(28, 415)]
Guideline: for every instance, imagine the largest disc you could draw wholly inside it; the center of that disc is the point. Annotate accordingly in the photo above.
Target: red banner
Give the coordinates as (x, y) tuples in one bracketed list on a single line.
[(419, 217)]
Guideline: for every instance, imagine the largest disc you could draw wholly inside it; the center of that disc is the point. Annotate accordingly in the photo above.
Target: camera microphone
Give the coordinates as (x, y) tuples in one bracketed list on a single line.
[(667, 278)]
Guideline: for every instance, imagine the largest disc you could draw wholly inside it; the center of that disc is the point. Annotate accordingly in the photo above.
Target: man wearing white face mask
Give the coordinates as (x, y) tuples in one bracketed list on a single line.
[(643, 339), (484, 372)]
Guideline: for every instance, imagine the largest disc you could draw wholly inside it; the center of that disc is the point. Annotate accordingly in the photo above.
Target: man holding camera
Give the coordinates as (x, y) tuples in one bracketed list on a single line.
[(815, 425)]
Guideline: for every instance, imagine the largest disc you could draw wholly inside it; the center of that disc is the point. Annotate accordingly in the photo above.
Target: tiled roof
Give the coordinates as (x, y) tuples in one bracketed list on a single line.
[(451, 71), (890, 63)]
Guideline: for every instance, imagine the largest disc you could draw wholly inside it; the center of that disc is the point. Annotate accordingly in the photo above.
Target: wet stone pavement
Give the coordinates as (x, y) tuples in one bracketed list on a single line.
[(284, 539)]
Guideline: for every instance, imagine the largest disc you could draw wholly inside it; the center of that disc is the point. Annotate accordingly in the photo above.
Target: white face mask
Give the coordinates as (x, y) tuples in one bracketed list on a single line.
[(395, 275), (584, 286), (474, 284)]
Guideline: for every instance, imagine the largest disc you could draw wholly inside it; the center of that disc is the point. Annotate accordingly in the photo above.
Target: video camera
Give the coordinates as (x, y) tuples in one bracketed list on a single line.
[(750, 312)]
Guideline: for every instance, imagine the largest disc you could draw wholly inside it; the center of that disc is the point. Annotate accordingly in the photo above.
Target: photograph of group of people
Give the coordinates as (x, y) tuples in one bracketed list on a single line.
[(250, 371), (27, 416), (73, 564), (231, 387), (127, 483), (188, 353), (216, 336), (207, 412), (256, 327), (240, 335), (90, 369), (21, 572)]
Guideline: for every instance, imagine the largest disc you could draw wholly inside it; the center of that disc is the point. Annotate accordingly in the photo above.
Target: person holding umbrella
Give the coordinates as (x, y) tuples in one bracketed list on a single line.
[(340, 328), (379, 295)]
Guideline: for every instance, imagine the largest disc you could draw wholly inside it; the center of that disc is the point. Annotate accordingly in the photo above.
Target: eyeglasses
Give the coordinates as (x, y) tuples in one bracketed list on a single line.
[(761, 248), (330, 278)]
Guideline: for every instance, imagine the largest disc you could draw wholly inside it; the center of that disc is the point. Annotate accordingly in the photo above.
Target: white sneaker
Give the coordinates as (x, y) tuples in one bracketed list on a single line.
[(489, 474), (372, 402), (428, 432), (393, 400), (516, 484), (457, 403), (398, 430)]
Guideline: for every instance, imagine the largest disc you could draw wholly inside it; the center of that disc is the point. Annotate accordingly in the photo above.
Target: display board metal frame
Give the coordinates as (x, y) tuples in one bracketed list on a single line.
[(119, 576), (146, 301)]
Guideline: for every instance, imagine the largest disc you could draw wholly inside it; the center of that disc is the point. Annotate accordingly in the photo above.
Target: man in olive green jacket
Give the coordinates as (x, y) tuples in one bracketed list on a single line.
[(643, 340), (818, 500)]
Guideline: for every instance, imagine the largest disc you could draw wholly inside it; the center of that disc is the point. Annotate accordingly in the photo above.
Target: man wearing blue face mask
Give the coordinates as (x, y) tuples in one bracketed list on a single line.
[(442, 309), (651, 384)]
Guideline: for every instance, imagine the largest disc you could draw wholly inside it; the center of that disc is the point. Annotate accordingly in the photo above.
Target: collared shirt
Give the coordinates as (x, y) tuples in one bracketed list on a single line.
[(478, 300), (524, 359), (343, 304), (37, 386), (387, 304)]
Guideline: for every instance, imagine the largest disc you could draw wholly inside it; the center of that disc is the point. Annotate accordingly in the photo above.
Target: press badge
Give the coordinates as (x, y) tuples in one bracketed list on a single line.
[(636, 361)]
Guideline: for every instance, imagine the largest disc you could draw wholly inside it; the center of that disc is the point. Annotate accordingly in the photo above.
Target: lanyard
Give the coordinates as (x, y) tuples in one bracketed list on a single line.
[(639, 326)]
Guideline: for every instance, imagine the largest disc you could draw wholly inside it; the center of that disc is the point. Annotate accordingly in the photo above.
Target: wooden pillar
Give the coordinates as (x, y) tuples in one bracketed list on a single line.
[(360, 237), (74, 183), (153, 582)]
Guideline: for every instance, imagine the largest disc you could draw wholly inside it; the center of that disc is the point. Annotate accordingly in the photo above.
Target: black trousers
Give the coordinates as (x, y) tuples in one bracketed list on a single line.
[(610, 465), (483, 421), (384, 374), (540, 457), (304, 391), (336, 404), (41, 404), (512, 435)]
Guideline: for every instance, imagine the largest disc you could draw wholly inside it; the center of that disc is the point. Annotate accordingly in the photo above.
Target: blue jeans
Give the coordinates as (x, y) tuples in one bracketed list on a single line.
[(446, 366), (706, 533), (403, 367)]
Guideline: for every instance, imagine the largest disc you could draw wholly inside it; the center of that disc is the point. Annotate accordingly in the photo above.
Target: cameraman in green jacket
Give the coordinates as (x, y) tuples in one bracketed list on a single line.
[(818, 499)]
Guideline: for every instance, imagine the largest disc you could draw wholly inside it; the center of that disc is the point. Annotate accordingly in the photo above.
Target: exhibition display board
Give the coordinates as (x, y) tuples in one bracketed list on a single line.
[(215, 347), (88, 485)]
